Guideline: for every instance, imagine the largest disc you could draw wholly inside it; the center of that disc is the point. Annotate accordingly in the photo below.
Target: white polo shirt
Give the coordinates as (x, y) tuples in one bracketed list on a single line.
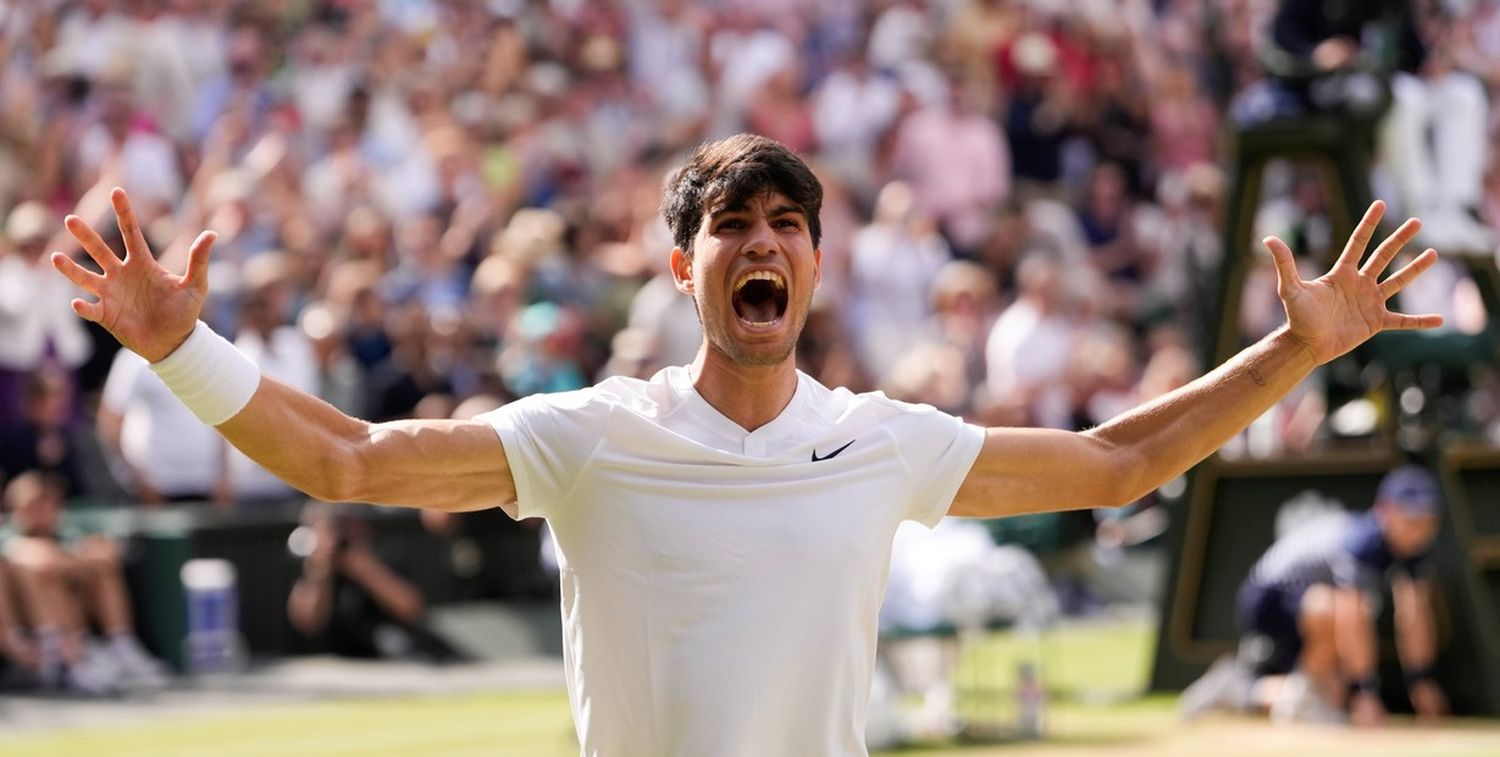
[(720, 587)]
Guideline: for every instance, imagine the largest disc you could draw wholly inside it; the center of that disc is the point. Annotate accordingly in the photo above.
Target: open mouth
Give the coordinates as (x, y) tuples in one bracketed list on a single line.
[(760, 298)]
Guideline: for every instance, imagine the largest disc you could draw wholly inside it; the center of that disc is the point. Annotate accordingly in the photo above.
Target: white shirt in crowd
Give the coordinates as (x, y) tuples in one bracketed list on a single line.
[(160, 438), (34, 312), (1028, 351), (925, 564), (891, 273), (720, 588)]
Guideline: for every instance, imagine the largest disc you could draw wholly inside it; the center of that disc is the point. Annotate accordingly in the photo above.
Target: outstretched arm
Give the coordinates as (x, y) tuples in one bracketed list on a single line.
[(448, 465), (1034, 470)]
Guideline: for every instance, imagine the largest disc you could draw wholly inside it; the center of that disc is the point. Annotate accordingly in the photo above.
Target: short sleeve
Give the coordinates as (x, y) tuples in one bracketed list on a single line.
[(548, 438), (937, 450)]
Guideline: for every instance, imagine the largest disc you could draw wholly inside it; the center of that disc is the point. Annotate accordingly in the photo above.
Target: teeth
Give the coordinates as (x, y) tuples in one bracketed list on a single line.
[(771, 276)]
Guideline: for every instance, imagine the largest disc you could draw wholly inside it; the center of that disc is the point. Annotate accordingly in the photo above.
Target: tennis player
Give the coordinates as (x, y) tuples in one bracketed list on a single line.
[(724, 528)]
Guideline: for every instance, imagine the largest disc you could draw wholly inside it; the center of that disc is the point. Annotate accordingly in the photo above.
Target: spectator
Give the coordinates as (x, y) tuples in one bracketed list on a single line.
[(1040, 113), (164, 453), (964, 307), (64, 578), (668, 40), (1027, 353), (1318, 48), (778, 110), (895, 260), (1184, 123), (281, 351), (543, 352), (37, 326), (44, 439), (349, 601), (902, 33), (424, 272), (1107, 216), (958, 165), (125, 144), (853, 108), (1116, 119), (1313, 599), (976, 31), (399, 382)]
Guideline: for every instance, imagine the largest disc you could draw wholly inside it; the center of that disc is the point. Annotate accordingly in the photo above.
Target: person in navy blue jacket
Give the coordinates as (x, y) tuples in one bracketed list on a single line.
[(1308, 610)]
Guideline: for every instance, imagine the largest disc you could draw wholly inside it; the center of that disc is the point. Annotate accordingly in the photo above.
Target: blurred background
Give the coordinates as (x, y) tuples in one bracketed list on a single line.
[(1037, 212)]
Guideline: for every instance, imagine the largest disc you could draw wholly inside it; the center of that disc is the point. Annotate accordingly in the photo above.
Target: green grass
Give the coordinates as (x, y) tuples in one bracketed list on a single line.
[(1103, 660), (1110, 657), (521, 724), (1094, 672)]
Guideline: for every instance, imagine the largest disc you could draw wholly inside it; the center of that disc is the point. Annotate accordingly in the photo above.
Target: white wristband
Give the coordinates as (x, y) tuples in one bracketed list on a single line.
[(209, 375)]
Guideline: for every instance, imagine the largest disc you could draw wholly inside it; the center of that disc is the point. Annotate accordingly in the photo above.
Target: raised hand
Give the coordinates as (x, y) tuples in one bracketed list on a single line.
[(1341, 309), (148, 308)]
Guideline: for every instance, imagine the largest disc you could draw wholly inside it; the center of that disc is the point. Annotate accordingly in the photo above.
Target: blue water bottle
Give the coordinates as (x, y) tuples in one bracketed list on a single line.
[(213, 643)]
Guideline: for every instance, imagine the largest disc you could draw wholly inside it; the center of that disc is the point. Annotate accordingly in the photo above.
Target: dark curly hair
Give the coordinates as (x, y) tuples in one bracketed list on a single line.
[(731, 171)]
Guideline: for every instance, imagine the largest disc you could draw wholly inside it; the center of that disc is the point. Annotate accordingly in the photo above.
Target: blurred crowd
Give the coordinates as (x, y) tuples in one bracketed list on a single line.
[(427, 208), (425, 203)]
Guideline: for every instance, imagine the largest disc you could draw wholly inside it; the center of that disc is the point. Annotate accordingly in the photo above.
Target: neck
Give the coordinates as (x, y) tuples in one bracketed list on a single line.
[(749, 395)]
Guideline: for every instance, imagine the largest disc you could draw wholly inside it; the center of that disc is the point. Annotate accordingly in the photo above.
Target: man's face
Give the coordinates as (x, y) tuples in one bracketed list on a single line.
[(751, 275), (1407, 535)]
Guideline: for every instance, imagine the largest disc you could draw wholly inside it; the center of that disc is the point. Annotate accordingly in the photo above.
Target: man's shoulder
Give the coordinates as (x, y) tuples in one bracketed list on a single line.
[(648, 395), (840, 404)]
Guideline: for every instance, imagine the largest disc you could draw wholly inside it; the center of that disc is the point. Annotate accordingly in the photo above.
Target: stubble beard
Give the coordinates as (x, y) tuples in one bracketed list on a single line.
[(720, 341)]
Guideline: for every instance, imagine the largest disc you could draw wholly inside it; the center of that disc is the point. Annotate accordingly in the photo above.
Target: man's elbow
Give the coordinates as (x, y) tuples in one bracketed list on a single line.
[(1120, 495), (342, 477), (1125, 476)]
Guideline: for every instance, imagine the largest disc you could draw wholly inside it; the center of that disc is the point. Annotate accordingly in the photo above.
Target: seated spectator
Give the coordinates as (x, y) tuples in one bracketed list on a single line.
[(351, 602), (65, 579), (18, 659), (1309, 608)]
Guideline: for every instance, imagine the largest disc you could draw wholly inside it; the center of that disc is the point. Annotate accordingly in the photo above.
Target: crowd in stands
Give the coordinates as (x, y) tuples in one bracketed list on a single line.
[(425, 206)]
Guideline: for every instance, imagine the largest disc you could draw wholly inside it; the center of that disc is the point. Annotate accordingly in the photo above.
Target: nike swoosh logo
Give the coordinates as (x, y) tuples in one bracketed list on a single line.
[(832, 454)]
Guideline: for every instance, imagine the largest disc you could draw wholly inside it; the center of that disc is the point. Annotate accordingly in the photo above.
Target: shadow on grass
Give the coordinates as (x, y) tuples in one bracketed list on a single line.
[(1085, 740), (1135, 722)]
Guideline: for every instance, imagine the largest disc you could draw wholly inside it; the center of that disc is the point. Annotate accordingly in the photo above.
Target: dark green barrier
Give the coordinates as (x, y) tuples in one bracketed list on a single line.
[(254, 539)]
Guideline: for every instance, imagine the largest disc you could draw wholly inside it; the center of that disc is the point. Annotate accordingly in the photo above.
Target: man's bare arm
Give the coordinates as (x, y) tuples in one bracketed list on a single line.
[(448, 465), (1034, 470), (304, 441)]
